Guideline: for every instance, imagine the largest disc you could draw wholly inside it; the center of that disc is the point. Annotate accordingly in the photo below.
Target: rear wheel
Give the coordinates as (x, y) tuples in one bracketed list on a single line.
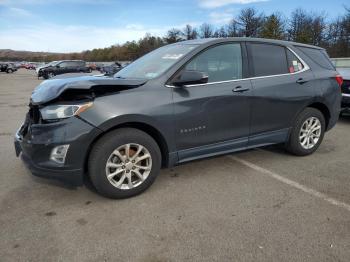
[(9, 71), (124, 163), (307, 132)]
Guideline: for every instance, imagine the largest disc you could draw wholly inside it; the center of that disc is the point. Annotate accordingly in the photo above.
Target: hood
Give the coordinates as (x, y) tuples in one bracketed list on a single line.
[(344, 72), (51, 89), (41, 67)]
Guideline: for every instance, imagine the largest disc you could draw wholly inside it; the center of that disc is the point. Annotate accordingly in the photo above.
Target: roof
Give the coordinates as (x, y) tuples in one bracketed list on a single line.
[(245, 39)]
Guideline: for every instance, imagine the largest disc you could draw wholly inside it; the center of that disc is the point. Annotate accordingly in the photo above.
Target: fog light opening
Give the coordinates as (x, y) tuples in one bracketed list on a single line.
[(58, 153)]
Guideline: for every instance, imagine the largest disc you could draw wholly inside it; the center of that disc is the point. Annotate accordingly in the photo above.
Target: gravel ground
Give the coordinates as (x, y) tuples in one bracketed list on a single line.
[(257, 205)]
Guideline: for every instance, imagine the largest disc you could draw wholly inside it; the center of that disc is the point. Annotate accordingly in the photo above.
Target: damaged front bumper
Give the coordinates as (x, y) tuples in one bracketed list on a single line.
[(34, 143)]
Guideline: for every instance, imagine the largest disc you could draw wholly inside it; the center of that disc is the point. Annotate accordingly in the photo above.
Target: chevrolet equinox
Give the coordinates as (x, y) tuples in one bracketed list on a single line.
[(181, 102)]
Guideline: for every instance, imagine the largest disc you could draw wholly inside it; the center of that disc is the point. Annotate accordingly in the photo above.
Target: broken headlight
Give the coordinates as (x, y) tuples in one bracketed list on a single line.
[(63, 111)]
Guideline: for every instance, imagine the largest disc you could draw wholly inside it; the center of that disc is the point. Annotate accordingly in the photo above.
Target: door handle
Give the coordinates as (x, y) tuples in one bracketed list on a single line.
[(301, 81), (240, 89)]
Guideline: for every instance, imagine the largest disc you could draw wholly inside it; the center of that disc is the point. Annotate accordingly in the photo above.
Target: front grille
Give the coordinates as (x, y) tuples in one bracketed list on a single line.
[(345, 88), (34, 114), (32, 117)]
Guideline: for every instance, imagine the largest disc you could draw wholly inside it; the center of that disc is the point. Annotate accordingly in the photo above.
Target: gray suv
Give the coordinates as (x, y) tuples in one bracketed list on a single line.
[(181, 102)]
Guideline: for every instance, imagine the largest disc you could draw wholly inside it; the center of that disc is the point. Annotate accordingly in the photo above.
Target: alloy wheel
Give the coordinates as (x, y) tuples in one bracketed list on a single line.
[(128, 166), (310, 132)]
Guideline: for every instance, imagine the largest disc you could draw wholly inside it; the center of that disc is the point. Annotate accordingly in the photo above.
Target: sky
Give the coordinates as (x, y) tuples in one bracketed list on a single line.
[(77, 25)]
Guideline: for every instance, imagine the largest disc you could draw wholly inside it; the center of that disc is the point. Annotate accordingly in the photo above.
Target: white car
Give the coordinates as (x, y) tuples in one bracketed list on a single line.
[(343, 67)]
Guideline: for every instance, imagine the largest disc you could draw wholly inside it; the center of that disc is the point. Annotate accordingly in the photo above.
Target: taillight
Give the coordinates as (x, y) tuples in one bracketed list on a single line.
[(339, 79)]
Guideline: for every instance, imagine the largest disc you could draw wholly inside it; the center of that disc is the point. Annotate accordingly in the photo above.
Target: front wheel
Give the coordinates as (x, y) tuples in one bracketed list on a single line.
[(307, 132), (48, 75), (124, 163)]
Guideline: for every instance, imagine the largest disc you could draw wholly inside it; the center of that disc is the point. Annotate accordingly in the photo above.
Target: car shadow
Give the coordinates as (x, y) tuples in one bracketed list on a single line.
[(54, 182), (345, 118)]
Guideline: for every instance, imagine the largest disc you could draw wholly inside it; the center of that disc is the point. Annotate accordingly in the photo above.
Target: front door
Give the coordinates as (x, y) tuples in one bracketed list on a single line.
[(213, 117)]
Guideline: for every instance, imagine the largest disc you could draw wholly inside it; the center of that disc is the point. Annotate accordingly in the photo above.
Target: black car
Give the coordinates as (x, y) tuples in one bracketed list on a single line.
[(62, 67), (7, 67), (111, 69), (181, 102)]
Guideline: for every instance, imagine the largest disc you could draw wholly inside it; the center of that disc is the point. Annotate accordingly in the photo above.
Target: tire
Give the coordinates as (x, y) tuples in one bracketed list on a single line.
[(48, 75), (89, 70), (103, 152), (9, 71), (298, 143)]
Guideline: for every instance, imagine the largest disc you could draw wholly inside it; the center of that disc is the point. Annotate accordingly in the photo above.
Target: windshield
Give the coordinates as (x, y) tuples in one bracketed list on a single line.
[(155, 63), (53, 63)]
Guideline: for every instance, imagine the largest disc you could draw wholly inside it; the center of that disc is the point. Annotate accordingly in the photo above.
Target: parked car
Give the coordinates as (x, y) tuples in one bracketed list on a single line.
[(111, 69), (181, 102), (99, 66), (343, 67), (63, 67), (7, 67), (30, 66)]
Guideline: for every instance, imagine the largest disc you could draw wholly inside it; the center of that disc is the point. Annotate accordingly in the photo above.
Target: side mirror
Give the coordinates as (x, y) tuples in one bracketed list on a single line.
[(58, 66), (190, 78)]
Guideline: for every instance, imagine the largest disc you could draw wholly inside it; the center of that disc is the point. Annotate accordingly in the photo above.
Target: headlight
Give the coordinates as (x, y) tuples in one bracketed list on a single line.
[(63, 111)]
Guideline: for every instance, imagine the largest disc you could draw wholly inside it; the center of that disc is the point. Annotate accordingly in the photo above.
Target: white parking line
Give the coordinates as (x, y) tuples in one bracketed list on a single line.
[(292, 183)]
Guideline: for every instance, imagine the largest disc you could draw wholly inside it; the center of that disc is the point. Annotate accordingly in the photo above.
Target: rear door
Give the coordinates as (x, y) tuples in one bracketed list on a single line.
[(282, 86), (72, 66), (80, 66), (213, 117)]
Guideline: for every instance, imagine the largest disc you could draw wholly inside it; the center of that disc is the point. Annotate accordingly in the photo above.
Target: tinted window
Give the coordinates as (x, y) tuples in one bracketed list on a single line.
[(78, 63), (268, 59), (294, 64), (72, 63), (220, 63), (63, 64), (319, 56)]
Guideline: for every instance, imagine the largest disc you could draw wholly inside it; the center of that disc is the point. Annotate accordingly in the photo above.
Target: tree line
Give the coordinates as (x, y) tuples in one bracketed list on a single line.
[(302, 26)]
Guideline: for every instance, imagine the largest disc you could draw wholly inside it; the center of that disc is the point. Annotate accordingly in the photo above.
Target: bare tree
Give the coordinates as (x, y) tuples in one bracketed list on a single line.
[(173, 36), (299, 26), (233, 28), (206, 30), (307, 27), (318, 26), (189, 32), (250, 21), (220, 32), (338, 36)]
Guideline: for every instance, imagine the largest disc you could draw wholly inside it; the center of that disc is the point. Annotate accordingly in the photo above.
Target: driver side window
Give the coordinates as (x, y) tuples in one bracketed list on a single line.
[(63, 64), (220, 63)]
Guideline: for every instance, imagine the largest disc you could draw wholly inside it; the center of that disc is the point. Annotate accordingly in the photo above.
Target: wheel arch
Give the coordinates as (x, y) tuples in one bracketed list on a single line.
[(145, 127), (323, 109)]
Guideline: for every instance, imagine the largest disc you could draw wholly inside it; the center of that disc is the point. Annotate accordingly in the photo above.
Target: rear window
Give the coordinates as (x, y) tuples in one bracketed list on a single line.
[(268, 59), (294, 64), (319, 56)]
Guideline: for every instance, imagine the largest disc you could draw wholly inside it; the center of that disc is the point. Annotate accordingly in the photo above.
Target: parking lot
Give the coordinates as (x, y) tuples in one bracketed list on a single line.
[(257, 205)]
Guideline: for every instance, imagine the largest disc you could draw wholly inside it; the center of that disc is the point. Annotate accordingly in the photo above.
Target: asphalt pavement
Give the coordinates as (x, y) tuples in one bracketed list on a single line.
[(257, 205)]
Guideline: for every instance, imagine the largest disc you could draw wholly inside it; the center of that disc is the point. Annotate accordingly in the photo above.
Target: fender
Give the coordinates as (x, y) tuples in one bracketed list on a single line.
[(147, 124)]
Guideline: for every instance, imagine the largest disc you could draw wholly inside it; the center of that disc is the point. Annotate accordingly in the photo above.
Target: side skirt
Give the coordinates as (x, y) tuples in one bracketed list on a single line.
[(230, 146)]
